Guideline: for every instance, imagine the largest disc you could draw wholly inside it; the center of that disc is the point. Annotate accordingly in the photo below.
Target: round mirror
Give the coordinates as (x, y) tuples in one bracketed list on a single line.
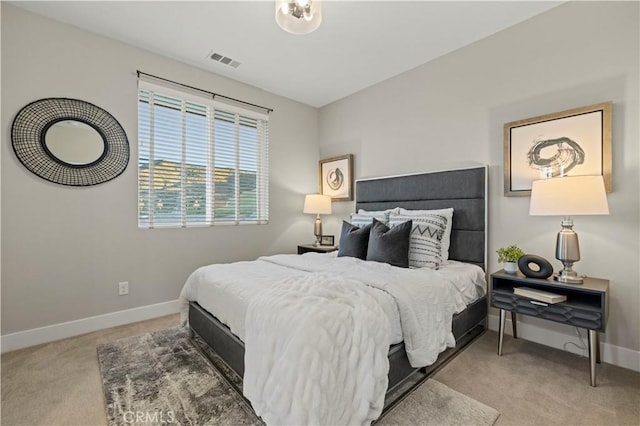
[(70, 142), (74, 142)]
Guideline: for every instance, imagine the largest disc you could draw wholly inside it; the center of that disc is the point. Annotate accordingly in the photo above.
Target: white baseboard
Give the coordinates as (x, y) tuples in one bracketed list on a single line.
[(50, 333), (611, 354)]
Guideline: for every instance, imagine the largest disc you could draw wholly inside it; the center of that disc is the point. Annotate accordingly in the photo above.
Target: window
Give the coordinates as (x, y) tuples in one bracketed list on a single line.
[(200, 162)]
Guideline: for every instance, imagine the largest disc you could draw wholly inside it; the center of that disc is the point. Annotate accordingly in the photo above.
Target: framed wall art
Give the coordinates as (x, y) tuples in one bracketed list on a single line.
[(573, 143), (336, 177)]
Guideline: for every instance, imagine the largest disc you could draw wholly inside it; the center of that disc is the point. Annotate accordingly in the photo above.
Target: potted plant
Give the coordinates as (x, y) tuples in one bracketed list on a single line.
[(509, 257)]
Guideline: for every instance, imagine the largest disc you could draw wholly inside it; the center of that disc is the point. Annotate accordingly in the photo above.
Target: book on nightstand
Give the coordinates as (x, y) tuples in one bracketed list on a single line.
[(543, 296)]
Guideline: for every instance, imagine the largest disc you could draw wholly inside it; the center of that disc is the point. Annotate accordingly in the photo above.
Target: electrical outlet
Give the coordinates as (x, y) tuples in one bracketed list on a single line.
[(123, 288)]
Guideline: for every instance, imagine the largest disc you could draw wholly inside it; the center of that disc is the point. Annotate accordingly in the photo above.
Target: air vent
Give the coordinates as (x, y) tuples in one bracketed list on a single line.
[(223, 59)]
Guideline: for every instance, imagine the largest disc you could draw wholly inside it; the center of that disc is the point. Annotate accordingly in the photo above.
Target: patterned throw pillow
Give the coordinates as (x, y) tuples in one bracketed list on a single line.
[(427, 233), (446, 238)]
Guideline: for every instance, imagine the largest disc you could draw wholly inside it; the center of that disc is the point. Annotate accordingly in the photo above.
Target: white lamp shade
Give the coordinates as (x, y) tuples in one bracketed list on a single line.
[(568, 196), (299, 16), (317, 204)]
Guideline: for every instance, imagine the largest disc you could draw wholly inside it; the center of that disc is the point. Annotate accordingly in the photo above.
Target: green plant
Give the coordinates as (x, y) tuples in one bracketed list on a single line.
[(509, 254)]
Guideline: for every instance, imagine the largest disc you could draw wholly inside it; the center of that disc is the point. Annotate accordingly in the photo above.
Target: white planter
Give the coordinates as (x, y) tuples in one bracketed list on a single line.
[(510, 267)]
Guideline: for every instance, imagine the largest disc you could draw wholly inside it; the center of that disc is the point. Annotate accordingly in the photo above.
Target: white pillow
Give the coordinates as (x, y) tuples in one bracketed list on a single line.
[(375, 212), (446, 237), (363, 219)]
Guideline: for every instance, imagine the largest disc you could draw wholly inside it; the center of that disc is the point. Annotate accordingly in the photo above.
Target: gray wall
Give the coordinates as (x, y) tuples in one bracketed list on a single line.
[(452, 110), (64, 249)]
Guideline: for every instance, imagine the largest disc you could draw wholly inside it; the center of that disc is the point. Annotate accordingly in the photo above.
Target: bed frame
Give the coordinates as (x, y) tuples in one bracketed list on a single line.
[(463, 189)]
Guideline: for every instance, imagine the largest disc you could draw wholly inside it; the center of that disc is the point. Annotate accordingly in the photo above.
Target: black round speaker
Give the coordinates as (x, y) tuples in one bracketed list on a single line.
[(545, 270)]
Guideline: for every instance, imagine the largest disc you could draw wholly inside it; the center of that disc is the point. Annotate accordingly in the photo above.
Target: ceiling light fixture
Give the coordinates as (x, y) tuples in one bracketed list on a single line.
[(299, 16)]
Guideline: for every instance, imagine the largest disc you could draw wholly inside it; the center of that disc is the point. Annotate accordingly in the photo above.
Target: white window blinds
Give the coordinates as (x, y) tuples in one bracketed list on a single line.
[(200, 162)]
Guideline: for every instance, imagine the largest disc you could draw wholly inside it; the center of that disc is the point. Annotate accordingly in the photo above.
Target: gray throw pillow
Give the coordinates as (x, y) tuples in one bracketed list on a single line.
[(389, 245), (354, 241)]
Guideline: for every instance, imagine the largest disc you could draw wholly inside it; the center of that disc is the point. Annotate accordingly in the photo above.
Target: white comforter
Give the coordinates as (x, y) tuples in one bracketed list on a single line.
[(426, 301), (316, 352)]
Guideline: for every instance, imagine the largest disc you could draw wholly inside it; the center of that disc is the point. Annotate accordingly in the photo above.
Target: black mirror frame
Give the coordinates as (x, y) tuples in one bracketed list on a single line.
[(28, 140)]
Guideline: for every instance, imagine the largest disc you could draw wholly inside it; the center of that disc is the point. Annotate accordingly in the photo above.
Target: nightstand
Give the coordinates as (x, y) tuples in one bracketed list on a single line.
[(306, 248), (587, 306)]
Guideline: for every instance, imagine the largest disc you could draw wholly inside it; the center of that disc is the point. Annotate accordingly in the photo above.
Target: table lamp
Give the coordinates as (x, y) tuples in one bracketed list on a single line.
[(568, 196), (317, 204)]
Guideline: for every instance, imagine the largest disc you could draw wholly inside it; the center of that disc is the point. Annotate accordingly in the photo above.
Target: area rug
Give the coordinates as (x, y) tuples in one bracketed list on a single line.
[(162, 378), (436, 404)]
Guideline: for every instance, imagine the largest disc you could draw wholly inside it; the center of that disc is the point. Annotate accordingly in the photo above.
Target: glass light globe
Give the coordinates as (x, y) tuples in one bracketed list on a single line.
[(299, 16)]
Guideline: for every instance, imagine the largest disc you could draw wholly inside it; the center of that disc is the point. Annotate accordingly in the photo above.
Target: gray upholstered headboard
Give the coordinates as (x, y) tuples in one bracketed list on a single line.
[(464, 189)]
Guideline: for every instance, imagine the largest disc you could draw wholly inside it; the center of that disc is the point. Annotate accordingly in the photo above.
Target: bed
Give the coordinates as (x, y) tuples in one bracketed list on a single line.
[(464, 190)]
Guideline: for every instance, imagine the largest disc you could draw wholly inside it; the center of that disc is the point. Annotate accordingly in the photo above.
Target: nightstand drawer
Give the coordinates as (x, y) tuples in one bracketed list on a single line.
[(576, 314)]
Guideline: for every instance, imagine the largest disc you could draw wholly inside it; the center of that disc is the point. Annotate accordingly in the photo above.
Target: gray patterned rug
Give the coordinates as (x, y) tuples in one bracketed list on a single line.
[(162, 378)]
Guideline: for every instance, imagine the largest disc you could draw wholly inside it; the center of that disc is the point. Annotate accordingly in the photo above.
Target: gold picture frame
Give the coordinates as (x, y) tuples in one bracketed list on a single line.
[(580, 140), (335, 177)]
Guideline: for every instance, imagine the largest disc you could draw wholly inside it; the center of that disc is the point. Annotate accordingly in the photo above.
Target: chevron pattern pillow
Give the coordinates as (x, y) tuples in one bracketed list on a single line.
[(446, 238), (425, 241)]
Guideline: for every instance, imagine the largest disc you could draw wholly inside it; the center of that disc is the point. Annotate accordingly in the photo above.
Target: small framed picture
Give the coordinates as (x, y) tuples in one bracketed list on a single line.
[(336, 177), (326, 240)]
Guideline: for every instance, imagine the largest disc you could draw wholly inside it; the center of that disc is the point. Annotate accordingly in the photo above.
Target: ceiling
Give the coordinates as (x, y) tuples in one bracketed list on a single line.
[(358, 44)]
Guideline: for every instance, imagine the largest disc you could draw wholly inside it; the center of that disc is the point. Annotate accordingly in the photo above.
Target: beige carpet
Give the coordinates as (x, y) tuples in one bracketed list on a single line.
[(532, 384)]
